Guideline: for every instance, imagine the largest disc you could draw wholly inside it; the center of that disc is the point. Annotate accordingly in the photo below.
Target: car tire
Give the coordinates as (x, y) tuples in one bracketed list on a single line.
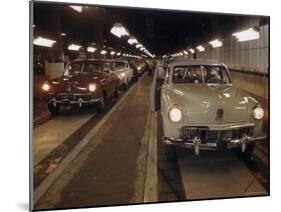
[(247, 155), (54, 110), (249, 150), (116, 94), (124, 87), (101, 104), (170, 153)]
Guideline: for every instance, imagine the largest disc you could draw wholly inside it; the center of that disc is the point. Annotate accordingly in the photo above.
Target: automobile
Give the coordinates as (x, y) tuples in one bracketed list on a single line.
[(84, 82), (132, 64), (123, 71), (202, 109), (140, 67)]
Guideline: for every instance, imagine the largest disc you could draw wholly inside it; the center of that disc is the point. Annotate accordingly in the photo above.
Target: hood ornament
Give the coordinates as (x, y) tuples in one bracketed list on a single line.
[(220, 115)]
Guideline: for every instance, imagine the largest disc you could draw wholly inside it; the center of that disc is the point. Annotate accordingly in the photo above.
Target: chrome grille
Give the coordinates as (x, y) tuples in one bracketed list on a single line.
[(210, 136)]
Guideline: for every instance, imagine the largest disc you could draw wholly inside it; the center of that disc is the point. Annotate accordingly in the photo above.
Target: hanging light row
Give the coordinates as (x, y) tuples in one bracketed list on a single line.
[(246, 35), (120, 31)]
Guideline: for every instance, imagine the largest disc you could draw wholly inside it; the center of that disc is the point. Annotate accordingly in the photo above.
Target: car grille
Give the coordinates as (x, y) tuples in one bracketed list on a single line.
[(210, 136), (71, 97)]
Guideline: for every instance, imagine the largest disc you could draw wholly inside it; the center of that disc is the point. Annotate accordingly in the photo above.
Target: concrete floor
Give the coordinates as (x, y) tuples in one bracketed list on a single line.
[(51, 134), (106, 171)]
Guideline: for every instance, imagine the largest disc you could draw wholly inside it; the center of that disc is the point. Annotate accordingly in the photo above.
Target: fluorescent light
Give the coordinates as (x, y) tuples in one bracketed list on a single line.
[(139, 45), (192, 51), (132, 40), (185, 52), (77, 8), (216, 43), (62, 34), (74, 47), (247, 35), (200, 48), (112, 52), (91, 49), (103, 52), (119, 53), (119, 30), (43, 42)]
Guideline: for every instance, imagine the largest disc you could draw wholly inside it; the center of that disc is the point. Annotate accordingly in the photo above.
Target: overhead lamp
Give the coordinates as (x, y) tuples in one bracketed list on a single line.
[(139, 45), (63, 34), (200, 48), (142, 48), (119, 30), (112, 52), (77, 8), (40, 41), (103, 52), (132, 40), (91, 49), (185, 52), (247, 35), (216, 43), (34, 25), (118, 54), (192, 51), (74, 47)]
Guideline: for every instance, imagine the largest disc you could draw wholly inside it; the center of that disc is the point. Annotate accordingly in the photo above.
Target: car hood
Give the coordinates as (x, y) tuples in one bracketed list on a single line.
[(77, 82), (205, 103)]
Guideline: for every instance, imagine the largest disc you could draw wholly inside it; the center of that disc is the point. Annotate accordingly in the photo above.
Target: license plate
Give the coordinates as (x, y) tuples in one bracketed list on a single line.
[(211, 144)]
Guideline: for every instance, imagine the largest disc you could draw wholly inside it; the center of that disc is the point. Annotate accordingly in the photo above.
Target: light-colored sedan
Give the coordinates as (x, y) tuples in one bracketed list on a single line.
[(202, 109), (123, 71)]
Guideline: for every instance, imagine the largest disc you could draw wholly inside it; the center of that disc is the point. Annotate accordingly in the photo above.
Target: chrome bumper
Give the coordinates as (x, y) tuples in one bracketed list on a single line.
[(196, 144), (80, 101)]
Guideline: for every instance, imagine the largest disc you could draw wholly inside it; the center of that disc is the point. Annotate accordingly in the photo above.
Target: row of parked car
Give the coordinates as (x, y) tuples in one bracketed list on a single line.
[(91, 81)]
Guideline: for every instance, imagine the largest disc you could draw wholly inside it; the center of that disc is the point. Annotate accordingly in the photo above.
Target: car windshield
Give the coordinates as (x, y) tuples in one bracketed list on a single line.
[(119, 65), (84, 67), (200, 74)]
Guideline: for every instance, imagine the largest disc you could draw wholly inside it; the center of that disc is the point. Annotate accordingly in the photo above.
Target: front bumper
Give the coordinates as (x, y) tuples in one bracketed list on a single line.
[(73, 99), (225, 137)]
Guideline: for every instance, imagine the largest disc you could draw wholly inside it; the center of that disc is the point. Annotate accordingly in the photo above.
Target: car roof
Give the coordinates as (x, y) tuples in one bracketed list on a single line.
[(195, 62)]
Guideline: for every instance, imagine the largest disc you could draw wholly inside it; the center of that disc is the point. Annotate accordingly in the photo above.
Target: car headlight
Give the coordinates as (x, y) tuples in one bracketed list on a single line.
[(46, 87), (175, 114), (258, 113), (92, 87), (122, 75)]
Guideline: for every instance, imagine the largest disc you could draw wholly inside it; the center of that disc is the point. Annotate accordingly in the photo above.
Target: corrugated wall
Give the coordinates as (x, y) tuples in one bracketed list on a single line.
[(250, 58), (247, 55)]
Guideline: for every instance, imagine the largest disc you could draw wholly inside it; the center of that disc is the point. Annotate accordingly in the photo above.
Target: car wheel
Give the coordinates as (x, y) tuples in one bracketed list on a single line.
[(54, 110), (101, 104), (115, 95), (247, 155), (170, 152), (125, 87), (249, 150)]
